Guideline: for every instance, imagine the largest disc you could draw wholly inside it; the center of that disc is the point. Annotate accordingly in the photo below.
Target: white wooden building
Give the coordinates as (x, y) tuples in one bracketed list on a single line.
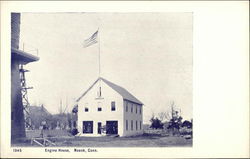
[(106, 108)]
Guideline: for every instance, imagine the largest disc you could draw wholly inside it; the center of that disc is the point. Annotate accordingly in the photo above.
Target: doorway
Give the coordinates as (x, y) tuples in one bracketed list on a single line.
[(99, 127), (112, 127), (87, 127)]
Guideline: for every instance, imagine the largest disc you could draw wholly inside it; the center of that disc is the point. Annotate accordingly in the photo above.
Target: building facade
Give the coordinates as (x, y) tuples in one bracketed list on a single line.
[(108, 109)]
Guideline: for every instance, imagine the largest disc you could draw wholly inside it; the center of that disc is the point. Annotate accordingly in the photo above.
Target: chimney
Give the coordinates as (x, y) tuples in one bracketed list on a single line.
[(15, 30)]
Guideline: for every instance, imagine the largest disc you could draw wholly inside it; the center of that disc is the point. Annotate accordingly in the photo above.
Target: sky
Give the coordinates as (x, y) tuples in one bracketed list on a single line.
[(149, 54)]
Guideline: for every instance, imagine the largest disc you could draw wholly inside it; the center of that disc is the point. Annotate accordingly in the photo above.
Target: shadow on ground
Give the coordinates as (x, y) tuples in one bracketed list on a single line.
[(145, 140)]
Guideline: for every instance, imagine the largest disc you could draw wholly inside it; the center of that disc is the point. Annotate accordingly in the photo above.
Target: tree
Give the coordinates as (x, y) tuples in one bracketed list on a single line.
[(162, 116), (187, 124), (175, 122), (156, 123), (75, 109)]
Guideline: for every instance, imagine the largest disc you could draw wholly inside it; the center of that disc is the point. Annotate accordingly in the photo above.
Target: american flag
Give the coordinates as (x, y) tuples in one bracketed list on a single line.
[(90, 41)]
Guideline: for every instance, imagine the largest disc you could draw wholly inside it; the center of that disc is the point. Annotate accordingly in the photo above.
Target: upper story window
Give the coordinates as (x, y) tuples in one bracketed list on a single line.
[(86, 109), (99, 107), (113, 106), (126, 103), (136, 109), (140, 109), (99, 92), (131, 108)]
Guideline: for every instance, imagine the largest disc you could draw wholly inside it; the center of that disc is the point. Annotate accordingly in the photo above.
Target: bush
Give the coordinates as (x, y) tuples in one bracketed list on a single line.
[(185, 131), (74, 132), (156, 123)]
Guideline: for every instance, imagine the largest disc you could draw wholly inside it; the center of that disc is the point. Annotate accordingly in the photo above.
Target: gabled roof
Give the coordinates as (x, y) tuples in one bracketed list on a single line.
[(38, 110), (122, 91)]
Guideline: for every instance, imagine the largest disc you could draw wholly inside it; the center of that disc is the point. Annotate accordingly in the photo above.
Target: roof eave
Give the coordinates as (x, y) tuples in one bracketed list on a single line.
[(133, 101), (22, 56)]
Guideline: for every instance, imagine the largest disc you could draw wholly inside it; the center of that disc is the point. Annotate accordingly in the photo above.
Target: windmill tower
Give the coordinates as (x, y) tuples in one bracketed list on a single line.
[(19, 98)]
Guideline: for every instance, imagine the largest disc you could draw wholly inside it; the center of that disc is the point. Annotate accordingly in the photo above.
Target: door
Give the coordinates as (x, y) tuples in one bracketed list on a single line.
[(112, 127), (87, 127), (99, 127)]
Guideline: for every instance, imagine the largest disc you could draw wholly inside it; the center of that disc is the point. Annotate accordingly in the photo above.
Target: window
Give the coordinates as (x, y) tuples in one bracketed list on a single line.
[(136, 109), (86, 109), (136, 127), (126, 106), (131, 124), (99, 107), (99, 93), (140, 125), (126, 124), (113, 106), (131, 108), (140, 109)]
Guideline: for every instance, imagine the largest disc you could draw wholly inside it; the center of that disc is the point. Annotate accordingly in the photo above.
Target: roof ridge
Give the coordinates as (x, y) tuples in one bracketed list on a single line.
[(124, 93)]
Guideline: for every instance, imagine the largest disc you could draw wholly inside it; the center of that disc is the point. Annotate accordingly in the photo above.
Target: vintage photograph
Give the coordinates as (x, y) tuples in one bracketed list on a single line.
[(93, 79)]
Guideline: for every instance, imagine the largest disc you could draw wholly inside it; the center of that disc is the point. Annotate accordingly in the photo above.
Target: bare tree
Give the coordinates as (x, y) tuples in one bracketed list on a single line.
[(60, 107), (152, 114), (162, 116), (167, 114), (176, 120)]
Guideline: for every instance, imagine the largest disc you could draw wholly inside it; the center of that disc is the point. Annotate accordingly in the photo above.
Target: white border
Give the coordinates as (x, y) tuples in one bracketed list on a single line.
[(220, 86)]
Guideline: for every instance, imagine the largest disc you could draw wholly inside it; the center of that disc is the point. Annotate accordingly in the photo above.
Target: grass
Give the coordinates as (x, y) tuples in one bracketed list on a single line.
[(145, 140)]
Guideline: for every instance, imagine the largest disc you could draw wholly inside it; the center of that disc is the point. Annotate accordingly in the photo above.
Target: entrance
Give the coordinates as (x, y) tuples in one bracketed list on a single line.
[(112, 127), (87, 127), (99, 128)]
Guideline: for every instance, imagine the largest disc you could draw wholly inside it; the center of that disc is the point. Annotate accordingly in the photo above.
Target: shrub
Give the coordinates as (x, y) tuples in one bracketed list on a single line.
[(156, 123), (74, 132)]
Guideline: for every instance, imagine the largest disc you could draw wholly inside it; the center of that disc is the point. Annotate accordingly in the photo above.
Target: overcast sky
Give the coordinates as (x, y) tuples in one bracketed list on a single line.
[(149, 54)]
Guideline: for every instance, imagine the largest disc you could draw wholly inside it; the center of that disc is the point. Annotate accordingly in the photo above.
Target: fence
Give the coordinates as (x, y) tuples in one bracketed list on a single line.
[(28, 49), (47, 133)]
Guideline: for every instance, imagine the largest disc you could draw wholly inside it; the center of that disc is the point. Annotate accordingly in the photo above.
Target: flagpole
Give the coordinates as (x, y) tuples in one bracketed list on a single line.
[(99, 52), (99, 42)]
